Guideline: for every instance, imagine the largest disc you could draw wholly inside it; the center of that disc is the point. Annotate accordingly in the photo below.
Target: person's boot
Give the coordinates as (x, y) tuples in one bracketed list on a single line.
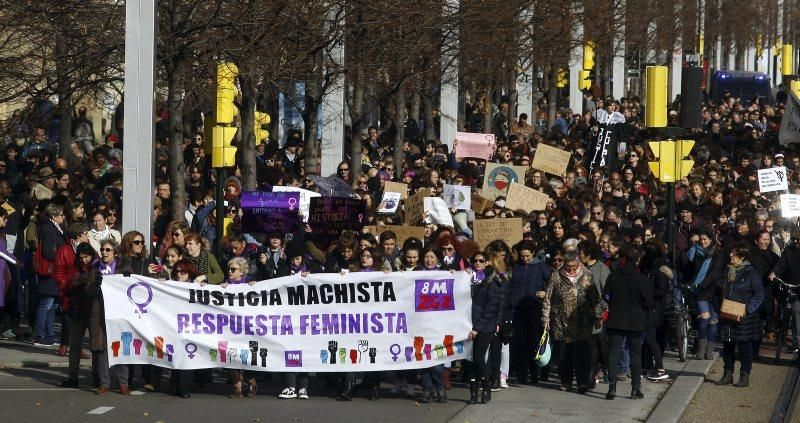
[(473, 392), (636, 392), (744, 379), (347, 392), (426, 396), (486, 391), (447, 384), (702, 345), (727, 378), (441, 395), (374, 392), (710, 351), (612, 390)]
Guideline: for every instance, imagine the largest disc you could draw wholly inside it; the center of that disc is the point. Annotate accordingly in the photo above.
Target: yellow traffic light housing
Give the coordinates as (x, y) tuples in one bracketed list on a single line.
[(584, 80), (588, 55), (656, 103), (225, 87), (261, 120), (223, 154), (787, 60), (671, 165), (561, 78)]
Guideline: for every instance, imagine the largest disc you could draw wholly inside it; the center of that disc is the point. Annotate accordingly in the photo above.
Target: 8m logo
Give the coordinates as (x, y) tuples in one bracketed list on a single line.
[(293, 358), (433, 295)]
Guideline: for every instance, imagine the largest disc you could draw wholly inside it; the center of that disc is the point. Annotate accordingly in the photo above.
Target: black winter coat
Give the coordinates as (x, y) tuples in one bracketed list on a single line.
[(51, 239), (788, 267), (489, 299), (745, 288), (629, 295), (659, 275), (715, 274), (764, 261)]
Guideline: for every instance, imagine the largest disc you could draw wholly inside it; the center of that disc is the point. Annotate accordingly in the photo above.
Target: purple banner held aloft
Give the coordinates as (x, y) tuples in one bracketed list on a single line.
[(329, 216), (277, 200), (270, 220)]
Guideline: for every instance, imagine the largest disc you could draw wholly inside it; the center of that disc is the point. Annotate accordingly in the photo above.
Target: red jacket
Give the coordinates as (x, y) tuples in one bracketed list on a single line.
[(64, 271)]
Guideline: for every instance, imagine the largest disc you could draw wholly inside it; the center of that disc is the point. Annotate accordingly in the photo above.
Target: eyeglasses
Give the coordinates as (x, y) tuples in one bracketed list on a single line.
[(138, 242), (480, 260), (232, 269), (633, 156), (344, 169), (106, 250), (366, 256), (448, 249)]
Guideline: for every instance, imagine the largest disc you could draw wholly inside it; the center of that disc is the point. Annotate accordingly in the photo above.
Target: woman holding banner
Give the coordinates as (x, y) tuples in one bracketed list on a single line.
[(206, 263), (238, 267)]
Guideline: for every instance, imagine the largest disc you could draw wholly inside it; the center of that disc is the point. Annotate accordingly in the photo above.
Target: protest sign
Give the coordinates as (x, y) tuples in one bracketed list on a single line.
[(305, 198), (319, 323), (773, 179), (331, 186), (525, 200), (389, 202), (436, 212), (403, 232), (415, 207), (550, 159), (270, 212), (790, 123), (488, 230), (329, 216), (457, 196), (499, 176), (480, 204), (389, 186), (479, 146), (790, 205)]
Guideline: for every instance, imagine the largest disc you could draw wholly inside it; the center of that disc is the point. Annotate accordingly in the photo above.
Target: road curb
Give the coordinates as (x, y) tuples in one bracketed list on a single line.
[(680, 393), (38, 365)]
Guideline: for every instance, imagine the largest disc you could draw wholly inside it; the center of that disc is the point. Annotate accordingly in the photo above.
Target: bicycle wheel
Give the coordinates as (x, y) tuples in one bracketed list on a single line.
[(779, 334)]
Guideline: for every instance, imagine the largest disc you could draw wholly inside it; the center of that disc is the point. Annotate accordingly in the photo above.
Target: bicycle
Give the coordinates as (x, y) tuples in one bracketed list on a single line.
[(683, 322), (787, 295)]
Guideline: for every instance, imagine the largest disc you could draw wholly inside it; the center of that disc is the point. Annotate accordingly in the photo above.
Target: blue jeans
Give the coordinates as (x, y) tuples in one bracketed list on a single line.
[(707, 328), (46, 318), (625, 357)]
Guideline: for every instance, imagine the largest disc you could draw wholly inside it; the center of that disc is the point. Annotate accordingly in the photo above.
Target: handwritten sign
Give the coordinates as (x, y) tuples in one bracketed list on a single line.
[(790, 123), (458, 197), (329, 216), (479, 146), (270, 212), (550, 159), (415, 207), (790, 205), (403, 232), (436, 212), (499, 176), (305, 198), (525, 200), (773, 179), (508, 230), (400, 187)]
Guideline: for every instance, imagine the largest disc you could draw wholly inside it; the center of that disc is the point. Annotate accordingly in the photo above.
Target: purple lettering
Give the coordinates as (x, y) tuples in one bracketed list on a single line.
[(303, 324), (248, 325), (315, 324), (183, 322), (222, 321), (286, 325), (261, 325)]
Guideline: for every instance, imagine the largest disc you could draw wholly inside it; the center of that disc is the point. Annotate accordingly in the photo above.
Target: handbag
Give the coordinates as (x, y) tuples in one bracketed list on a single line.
[(732, 310), (543, 352)]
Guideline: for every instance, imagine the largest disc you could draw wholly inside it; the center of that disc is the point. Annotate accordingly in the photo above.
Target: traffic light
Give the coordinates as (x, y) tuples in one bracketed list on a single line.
[(794, 86), (222, 153), (671, 165), (787, 59), (225, 87), (259, 126), (584, 80), (561, 78), (656, 105), (588, 55)]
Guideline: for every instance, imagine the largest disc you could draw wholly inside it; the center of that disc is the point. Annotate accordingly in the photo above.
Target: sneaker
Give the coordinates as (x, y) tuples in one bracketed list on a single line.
[(658, 375), (9, 334), (302, 394), (288, 393), (396, 388), (503, 383), (44, 343), (410, 390), (621, 377)]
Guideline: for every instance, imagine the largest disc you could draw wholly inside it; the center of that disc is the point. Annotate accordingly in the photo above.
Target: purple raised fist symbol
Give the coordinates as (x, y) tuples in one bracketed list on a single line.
[(170, 350), (137, 346), (409, 353), (427, 350)]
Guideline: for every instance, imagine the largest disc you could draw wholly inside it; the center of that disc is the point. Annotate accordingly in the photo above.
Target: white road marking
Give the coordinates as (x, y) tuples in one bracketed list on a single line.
[(101, 410), (136, 393)]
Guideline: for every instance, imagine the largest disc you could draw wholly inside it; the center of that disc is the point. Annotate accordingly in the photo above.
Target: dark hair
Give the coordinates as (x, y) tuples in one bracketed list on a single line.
[(741, 250), (591, 249), (186, 266), (377, 258), (83, 249)]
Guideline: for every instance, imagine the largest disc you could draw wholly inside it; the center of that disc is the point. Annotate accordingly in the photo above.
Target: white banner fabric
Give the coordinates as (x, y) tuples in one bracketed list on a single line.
[(320, 323)]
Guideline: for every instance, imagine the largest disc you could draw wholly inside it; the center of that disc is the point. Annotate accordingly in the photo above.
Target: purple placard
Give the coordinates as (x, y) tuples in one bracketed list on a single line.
[(261, 199), (329, 216), (433, 295), (293, 358), (270, 220)]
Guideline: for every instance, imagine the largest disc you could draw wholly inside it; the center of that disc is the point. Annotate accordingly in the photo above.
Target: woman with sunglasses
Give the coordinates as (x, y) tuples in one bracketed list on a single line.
[(238, 267), (184, 271), (113, 220), (175, 235), (451, 259)]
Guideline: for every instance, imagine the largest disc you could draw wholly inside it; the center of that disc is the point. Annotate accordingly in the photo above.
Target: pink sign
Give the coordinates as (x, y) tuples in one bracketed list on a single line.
[(479, 146)]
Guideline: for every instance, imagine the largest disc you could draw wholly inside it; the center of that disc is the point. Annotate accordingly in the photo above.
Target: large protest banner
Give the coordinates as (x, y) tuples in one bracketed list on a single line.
[(329, 216), (320, 323), (270, 212), (479, 146)]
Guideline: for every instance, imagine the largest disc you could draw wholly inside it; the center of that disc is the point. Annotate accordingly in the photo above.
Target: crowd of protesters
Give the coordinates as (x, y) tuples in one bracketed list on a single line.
[(592, 268)]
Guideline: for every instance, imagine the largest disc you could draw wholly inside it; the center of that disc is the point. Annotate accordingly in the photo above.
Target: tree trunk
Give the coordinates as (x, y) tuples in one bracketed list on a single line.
[(65, 107), (427, 109), (247, 144), (177, 167), (356, 115), (399, 119), (552, 100), (512, 96), (311, 118), (416, 102)]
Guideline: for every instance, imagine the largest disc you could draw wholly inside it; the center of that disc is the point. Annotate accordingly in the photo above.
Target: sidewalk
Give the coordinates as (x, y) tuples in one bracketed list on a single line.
[(16, 354), (547, 403)]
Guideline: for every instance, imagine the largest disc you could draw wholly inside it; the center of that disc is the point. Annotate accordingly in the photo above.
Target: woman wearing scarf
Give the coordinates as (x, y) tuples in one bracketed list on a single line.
[(742, 284), (371, 260), (571, 309), (237, 275), (704, 267), (206, 264), (296, 264), (101, 231)]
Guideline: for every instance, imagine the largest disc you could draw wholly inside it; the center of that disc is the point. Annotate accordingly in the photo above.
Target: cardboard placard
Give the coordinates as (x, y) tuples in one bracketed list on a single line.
[(525, 200), (773, 179), (550, 159), (480, 204), (487, 230), (479, 146), (458, 197), (499, 176), (415, 207), (403, 232), (400, 187)]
